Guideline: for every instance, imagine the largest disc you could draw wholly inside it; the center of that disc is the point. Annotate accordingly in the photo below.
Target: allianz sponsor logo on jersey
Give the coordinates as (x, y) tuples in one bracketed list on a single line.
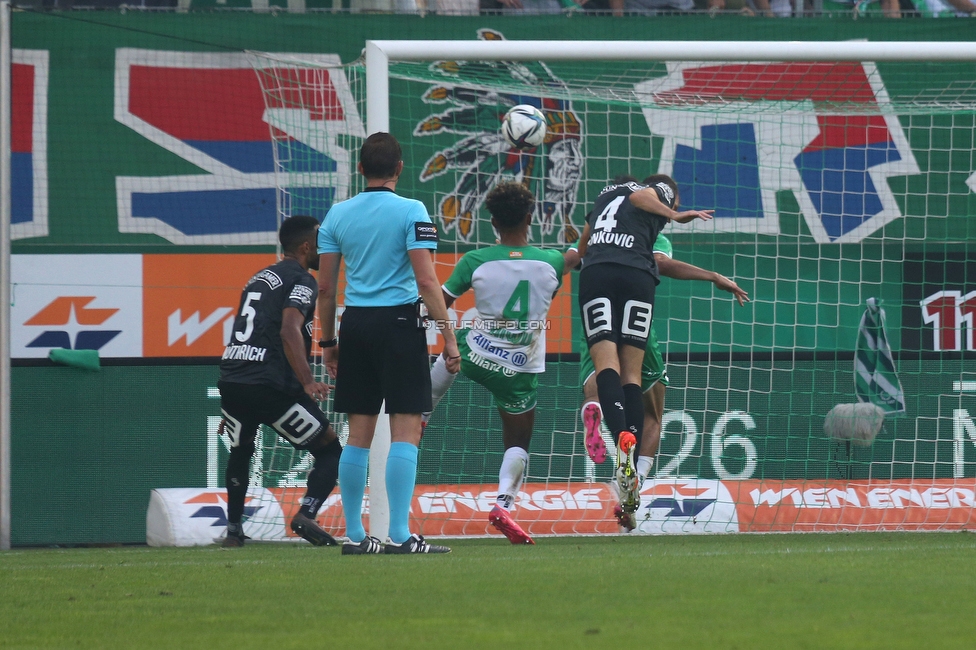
[(772, 132), (491, 349), (28, 150), (209, 109), (76, 302)]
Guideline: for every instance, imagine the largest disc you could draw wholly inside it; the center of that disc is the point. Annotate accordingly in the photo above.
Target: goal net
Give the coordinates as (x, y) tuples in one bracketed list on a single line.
[(841, 398)]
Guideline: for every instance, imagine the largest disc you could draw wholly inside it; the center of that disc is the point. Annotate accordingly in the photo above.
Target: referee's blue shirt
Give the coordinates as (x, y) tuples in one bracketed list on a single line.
[(373, 231)]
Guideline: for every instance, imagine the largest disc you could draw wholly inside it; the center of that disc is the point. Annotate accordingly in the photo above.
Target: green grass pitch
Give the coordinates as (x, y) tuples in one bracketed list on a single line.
[(726, 591)]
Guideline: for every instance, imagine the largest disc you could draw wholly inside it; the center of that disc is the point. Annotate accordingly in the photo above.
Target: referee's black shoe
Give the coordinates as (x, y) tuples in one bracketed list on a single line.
[(310, 531), (414, 544), (369, 546)]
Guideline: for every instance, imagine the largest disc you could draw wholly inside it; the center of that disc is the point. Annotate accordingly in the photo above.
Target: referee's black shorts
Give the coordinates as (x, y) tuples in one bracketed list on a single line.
[(616, 303), (382, 356)]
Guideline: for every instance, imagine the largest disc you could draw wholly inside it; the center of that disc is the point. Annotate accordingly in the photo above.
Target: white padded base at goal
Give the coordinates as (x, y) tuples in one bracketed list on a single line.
[(198, 517)]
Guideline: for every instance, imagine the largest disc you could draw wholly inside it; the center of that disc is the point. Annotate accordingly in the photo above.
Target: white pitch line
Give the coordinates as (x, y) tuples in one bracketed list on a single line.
[(964, 386)]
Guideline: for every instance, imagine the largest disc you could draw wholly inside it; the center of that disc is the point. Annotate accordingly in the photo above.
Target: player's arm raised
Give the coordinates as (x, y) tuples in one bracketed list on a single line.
[(648, 201), (678, 270)]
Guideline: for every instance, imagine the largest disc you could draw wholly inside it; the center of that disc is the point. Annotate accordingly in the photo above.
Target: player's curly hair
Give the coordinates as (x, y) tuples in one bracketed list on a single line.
[(509, 203), (295, 231)]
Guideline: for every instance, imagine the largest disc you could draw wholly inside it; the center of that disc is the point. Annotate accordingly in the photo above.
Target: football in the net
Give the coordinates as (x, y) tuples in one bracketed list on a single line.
[(524, 126)]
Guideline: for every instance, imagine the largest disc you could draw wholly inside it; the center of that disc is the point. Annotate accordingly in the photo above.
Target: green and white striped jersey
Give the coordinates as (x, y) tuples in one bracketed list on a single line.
[(513, 288)]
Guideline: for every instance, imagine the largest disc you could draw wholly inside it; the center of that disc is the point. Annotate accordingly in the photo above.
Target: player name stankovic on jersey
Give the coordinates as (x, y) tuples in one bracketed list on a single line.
[(244, 353), (613, 238)]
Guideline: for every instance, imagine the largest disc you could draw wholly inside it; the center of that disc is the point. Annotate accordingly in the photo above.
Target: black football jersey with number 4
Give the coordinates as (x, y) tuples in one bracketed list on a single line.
[(255, 353), (622, 233)]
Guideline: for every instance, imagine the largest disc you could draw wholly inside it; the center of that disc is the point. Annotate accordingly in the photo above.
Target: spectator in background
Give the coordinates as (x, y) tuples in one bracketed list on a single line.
[(454, 7), (889, 8), (765, 8), (651, 7), (945, 8), (538, 6)]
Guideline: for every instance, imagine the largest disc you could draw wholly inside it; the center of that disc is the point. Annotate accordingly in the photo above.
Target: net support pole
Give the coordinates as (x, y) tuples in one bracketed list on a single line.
[(5, 217), (378, 120), (379, 451), (377, 89)]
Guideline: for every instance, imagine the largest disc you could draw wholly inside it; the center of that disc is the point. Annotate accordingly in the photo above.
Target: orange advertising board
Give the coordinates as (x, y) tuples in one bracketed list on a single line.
[(462, 510), (189, 301), (832, 506)]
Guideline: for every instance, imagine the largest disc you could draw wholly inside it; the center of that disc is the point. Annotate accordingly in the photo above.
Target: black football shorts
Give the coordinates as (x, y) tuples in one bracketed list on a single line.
[(297, 419), (616, 304), (382, 356)]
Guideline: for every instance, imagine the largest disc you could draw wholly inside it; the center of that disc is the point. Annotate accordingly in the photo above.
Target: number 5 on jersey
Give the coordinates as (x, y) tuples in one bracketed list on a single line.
[(249, 313)]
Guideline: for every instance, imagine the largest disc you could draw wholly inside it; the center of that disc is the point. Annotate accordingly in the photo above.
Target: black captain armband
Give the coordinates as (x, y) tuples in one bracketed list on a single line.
[(331, 343), (424, 231)]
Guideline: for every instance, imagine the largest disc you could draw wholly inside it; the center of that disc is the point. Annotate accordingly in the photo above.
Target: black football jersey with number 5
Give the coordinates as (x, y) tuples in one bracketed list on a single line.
[(255, 353), (622, 233)]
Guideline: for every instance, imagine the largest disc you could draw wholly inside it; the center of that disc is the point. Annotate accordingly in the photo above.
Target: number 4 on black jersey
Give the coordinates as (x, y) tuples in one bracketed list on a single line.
[(622, 233)]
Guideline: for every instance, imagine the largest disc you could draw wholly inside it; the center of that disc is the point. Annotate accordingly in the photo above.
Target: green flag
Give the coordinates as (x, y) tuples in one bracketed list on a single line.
[(875, 378)]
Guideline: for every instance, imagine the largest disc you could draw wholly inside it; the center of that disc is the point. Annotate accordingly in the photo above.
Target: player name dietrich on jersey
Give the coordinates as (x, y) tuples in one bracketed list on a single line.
[(244, 353)]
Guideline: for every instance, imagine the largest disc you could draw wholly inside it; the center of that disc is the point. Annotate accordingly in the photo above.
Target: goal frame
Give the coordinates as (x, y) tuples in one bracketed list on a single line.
[(380, 53)]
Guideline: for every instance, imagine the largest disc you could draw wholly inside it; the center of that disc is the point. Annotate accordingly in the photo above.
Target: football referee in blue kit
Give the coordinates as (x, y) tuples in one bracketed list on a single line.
[(381, 352)]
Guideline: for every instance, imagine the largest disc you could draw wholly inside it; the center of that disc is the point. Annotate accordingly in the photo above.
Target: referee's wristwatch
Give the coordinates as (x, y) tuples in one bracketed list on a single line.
[(331, 343)]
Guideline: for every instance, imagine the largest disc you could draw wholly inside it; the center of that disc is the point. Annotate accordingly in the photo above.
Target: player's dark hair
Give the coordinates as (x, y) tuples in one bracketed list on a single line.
[(295, 231), (654, 179), (509, 203), (380, 155), (623, 179)]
